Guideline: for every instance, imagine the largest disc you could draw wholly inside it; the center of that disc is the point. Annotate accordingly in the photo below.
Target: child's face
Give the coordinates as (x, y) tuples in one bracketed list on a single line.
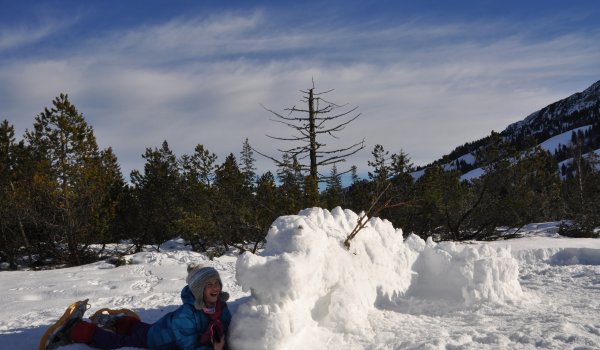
[(212, 288)]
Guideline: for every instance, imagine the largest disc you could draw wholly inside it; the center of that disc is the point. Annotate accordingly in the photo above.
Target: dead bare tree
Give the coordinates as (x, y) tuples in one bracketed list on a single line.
[(311, 125)]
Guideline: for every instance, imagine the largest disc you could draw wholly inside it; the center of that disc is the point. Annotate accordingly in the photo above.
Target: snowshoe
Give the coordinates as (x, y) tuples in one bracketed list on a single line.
[(58, 333), (107, 318)]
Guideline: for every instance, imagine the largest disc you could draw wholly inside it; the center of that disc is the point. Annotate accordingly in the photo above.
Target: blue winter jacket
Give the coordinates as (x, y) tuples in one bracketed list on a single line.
[(181, 329)]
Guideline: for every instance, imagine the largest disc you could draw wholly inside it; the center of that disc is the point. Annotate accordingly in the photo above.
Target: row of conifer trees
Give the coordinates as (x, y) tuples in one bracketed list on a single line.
[(64, 201)]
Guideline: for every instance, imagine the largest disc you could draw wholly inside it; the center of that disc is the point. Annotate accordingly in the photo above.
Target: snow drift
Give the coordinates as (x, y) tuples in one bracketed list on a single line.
[(305, 280)]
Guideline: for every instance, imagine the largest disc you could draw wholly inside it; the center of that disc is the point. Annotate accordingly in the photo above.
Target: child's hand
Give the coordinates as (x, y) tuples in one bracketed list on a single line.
[(218, 345)]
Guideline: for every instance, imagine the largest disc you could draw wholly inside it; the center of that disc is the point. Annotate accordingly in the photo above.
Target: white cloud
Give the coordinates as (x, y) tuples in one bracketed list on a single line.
[(43, 23), (187, 37), (11, 38), (420, 87)]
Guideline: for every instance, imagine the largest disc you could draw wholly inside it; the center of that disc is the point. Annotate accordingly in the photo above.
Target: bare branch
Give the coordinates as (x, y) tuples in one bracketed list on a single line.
[(281, 116), (339, 115), (361, 223), (293, 126), (286, 139), (324, 178), (277, 161), (323, 93), (317, 93), (333, 104), (361, 143)]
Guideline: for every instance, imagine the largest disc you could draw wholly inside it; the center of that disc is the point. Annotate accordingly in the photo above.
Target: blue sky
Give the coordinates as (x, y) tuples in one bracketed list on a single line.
[(426, 76)]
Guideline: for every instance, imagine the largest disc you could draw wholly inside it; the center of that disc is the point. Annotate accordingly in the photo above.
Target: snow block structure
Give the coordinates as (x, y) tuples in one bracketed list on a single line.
[(468, 273), (305, 279)]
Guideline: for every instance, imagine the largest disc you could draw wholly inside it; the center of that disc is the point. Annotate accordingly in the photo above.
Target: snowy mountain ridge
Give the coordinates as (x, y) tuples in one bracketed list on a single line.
[(552, 128), (561, 110)]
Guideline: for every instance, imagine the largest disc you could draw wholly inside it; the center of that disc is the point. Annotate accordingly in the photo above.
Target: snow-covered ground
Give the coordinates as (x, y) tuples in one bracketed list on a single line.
[(306, 291), (552, 144)]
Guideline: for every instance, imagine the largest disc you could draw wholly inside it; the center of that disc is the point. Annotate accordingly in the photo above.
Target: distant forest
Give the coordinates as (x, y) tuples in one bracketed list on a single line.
[(64, 201)]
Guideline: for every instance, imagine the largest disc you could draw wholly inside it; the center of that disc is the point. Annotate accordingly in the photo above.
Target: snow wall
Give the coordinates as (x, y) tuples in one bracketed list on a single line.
[(305, 278)]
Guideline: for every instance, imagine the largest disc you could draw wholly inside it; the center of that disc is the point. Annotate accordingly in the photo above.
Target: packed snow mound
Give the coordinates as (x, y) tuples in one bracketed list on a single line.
[(471, 273), (305, 279)]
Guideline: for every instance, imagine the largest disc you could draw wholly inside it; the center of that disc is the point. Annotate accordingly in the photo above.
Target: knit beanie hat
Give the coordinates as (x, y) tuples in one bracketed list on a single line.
[(196, 279)]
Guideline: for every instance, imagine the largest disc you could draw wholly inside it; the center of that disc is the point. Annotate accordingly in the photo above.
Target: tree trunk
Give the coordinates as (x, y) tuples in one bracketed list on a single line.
[(312, 191)]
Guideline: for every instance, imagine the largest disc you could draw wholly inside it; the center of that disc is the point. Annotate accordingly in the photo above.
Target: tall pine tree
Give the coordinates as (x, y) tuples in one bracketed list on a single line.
[(158, 193), (68, 175)]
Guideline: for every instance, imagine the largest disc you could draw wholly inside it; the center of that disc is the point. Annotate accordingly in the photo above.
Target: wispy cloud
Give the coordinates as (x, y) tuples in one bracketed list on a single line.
[(183, 38), (421, 87), (32, 33), (22, 36)]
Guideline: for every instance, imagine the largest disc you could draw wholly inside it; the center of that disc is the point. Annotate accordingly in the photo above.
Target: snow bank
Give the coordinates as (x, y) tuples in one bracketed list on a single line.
[(472, 273), (305, 279), (576, 256), (543, 244)]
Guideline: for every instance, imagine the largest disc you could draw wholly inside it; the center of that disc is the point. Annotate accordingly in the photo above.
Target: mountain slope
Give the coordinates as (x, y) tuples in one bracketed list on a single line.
[(555, 128)]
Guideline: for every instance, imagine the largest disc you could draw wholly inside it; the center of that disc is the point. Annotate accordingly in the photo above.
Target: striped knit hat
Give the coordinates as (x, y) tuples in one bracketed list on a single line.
[(196, 279)]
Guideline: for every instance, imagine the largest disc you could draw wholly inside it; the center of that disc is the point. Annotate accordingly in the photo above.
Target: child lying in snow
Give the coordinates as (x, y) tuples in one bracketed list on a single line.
[(200, 323)]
